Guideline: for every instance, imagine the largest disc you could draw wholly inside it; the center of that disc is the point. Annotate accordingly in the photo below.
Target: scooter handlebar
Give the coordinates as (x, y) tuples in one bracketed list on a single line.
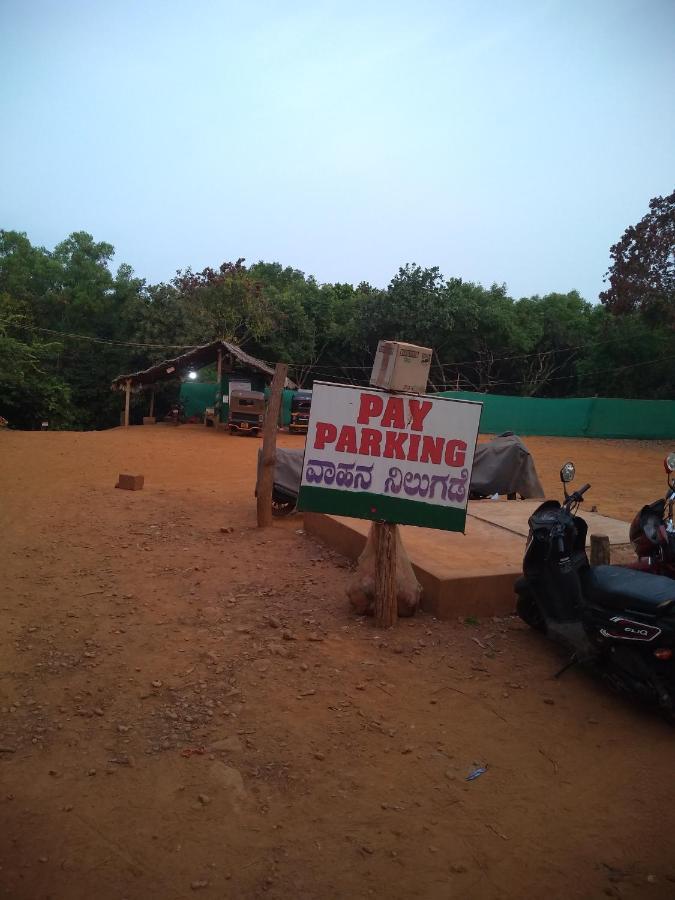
[(576, 496)]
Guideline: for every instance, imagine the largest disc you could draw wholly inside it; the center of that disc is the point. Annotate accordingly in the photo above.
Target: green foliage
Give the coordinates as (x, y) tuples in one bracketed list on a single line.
[(642, 274), (557, 345), (228, 303), (29, 394), (628, 356), (70, 290)]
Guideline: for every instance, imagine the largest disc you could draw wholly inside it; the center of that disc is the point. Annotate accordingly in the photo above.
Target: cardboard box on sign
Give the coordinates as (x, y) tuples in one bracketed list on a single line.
[(401, 367)]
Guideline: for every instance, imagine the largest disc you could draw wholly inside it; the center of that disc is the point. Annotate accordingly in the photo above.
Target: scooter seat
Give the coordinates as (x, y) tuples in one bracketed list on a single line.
[(628, 589)]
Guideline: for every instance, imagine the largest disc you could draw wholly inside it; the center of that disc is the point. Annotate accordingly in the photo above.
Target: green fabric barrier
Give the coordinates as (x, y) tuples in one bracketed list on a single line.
[(196, 396), (574, 417), (286, 399), (631, 419)]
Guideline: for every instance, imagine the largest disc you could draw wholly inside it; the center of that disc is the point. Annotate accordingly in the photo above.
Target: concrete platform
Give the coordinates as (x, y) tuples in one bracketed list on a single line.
[(512, 515), (468, 574)]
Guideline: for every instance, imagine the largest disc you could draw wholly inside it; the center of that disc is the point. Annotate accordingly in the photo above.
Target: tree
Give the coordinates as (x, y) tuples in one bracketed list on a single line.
[(227, 303), (28, 393), (627, 356), (296, 303), (69, 290), (642, 273), (557, 328)]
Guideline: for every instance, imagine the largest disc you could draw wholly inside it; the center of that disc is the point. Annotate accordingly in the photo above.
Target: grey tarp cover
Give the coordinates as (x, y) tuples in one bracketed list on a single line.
[(504, 466), (287, 469)]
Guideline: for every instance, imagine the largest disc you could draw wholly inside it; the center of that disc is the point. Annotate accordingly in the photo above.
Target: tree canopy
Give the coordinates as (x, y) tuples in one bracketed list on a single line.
[(642, 274), (69, 324)]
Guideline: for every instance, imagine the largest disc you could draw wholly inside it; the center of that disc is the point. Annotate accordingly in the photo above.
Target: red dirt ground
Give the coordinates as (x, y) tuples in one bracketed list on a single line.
[(188, 712)]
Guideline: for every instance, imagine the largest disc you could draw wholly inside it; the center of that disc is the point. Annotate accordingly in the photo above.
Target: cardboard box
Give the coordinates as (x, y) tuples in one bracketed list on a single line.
[(401, 367)]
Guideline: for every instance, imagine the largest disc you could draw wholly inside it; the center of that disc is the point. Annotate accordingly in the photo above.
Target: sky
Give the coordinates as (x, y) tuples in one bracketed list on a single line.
[(507, 141)]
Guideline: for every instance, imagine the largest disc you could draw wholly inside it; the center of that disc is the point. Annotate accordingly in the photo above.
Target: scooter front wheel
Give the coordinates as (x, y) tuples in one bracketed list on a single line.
[(528, 610)]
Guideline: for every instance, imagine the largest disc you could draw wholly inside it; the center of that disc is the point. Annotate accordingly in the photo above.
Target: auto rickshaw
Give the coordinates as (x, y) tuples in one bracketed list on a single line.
[(247, 411), (301, 404)]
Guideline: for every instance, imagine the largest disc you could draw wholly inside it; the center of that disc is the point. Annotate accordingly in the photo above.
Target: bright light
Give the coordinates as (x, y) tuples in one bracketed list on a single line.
[(192, 376)]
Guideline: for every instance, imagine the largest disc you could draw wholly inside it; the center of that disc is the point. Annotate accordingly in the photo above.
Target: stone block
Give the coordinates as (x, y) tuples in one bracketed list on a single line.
[(130, 482)]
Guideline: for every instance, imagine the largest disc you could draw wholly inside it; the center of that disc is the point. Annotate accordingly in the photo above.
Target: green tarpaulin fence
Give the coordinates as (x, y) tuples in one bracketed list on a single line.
[(575, 417), (597, 417), (196, 396)]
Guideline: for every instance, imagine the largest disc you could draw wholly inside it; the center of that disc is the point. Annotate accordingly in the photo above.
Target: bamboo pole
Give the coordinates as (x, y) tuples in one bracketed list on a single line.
[(386, 610), (269, 447), (127, 402)]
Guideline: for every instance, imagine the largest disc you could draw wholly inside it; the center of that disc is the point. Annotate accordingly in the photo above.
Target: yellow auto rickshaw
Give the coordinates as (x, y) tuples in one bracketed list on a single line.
[(247, 411)]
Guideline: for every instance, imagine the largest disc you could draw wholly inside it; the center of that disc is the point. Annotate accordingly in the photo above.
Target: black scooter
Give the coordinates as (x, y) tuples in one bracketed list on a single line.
[(619, 621)]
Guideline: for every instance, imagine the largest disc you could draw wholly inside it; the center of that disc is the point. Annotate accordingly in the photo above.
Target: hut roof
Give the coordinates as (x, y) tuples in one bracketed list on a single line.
[(196, 358)]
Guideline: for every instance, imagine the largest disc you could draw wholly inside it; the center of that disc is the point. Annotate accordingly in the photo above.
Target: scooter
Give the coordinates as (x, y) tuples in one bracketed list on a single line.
[(175, 414), (652, 533), (618, 621)]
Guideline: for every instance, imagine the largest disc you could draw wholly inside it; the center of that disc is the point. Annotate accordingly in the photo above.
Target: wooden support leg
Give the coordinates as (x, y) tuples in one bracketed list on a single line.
[(152, 403), (269, 447), (386, 608), (127, 402), (599, 550)]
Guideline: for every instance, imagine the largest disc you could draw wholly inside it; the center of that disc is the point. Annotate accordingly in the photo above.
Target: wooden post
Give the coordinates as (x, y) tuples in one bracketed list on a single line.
[(152, 403), (269, 447), (599, 550), (386, 607), (127, 401), (218, 407)]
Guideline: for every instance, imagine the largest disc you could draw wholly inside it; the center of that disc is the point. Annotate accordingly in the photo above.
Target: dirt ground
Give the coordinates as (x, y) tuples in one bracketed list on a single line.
[(187, 711)]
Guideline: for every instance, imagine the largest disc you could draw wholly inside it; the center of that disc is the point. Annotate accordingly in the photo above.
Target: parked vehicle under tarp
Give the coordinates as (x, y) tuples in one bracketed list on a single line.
[(504, 466), (287, 475)]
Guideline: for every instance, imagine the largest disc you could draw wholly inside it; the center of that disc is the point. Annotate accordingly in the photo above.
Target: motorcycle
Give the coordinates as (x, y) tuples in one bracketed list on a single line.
[(617, 621), (652, 533), (176, 414)]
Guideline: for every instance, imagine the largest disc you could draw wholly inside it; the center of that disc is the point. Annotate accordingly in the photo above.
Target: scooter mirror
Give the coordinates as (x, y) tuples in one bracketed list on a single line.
[(567, 472), (669, 462)]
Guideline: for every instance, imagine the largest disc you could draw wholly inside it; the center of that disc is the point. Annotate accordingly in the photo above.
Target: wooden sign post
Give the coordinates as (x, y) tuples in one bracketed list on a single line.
[(386, 605), (269, 447), (392, 457)]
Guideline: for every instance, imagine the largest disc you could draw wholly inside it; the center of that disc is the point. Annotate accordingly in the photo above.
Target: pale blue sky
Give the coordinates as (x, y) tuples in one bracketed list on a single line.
[(502, 141)]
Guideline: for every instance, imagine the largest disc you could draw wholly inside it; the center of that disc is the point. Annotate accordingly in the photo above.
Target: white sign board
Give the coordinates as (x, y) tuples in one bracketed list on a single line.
[(401, 458)]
